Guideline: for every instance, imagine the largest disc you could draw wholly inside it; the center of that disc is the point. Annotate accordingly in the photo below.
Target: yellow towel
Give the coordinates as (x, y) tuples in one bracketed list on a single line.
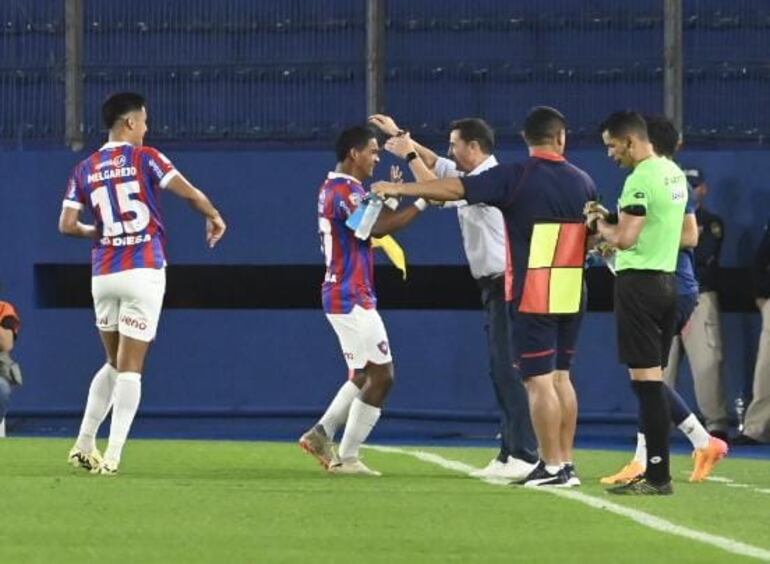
[(393, 250)]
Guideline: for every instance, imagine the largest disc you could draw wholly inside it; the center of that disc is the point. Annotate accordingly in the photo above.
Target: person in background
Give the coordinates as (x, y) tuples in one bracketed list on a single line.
[(756, 428), (10, 374), (702, 339)]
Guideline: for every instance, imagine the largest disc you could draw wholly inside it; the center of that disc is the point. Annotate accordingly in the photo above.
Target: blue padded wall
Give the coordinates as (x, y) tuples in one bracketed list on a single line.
[(285, 361)]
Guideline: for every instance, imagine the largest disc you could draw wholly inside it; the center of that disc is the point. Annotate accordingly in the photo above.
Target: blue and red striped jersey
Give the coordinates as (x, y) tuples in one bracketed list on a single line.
[(120, 185), (349, 279)]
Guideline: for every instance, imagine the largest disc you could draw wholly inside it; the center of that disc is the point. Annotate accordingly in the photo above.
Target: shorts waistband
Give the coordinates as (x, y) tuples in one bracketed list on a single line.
[(642, 272)]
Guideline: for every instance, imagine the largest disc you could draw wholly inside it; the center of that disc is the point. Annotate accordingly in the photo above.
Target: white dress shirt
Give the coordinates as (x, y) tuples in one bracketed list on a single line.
[(482, 226)]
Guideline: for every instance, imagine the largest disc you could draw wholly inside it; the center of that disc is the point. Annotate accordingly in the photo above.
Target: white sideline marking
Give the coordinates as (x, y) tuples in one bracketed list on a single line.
[(651, 521), (718, 479)]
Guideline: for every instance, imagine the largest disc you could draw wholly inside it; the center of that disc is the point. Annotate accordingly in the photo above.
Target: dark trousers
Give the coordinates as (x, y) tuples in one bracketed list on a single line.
[(518, 437)]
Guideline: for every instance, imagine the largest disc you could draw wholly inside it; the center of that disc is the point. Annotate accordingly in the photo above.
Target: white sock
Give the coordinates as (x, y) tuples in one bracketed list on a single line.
[(361, 420), (97, 407), (128, 391), (641, 450), (695, 431), (337, 412), (553, 468)]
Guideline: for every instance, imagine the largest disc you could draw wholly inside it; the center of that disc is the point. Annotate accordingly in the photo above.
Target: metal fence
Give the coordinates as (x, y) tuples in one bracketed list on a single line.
[(296, 70)]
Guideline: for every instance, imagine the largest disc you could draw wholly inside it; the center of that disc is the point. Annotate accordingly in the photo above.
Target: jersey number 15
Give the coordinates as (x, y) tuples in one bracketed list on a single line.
[(101, 200)]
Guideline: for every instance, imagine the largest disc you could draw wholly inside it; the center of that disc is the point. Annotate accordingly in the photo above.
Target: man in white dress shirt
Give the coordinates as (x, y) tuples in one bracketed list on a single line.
[(471, 144)]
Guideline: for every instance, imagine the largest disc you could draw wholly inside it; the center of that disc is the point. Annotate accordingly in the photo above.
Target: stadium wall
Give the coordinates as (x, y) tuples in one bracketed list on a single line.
[(261, 361)]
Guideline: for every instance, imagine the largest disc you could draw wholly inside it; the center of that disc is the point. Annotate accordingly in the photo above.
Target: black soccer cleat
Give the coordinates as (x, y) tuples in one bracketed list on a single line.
[(572, 476), (641, 486)]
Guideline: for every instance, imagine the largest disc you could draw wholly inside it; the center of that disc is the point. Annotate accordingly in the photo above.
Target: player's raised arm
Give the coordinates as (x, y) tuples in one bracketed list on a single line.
[(215, 225), (404, 147)]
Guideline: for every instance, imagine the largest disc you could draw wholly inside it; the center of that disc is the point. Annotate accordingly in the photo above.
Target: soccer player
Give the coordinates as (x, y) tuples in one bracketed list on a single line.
[(709, 450), (647, 235), (120, 184), (542, 203), (471, 146), (350, 303)]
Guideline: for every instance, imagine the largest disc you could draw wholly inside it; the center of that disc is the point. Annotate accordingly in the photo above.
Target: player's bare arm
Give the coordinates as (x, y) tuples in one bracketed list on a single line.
[(387, 125), (215, 225), (70, 224), (443, 190), (391, 221), (689, 238)]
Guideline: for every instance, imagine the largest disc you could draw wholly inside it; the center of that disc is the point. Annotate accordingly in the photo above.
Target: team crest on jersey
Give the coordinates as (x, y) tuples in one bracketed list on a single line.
[(383, 346), (355, 199), (344, 207)]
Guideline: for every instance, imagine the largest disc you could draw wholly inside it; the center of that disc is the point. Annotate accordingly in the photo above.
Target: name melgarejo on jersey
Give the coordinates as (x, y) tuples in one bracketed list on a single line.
[(111, 173)]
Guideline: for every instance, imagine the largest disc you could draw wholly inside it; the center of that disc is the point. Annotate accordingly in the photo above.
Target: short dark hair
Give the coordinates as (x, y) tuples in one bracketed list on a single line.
[(543, 124), (624, 123), (119, 105), (356, 137), (475, 129), (663, 135)]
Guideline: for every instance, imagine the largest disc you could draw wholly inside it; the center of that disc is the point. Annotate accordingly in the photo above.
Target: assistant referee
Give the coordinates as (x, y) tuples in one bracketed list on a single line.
[(646, 232)]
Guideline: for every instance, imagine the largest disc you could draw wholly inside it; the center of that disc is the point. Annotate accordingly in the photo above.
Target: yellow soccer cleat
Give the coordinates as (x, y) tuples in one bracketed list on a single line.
[(707, 458), (630, 471)]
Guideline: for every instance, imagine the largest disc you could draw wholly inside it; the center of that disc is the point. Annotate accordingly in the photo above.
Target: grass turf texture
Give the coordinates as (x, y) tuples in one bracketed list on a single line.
[(189, 501)]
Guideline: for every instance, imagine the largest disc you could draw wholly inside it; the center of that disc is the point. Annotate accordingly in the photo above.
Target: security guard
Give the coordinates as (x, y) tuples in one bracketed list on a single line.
[(757, 424), (702, 338)]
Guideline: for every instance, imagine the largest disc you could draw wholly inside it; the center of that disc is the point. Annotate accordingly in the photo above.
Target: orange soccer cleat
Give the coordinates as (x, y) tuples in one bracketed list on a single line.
[(630, 471), (707, 458)]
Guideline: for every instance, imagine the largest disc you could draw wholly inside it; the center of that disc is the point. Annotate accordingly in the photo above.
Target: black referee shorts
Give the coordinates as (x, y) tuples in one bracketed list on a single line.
[(645, 313)]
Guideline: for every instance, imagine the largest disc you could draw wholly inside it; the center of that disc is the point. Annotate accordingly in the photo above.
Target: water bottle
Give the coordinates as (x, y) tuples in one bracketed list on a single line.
[(369, 218), (740, 410)]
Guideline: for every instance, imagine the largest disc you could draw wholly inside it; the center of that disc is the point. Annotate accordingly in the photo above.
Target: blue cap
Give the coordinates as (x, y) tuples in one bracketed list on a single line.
[(694, 176)]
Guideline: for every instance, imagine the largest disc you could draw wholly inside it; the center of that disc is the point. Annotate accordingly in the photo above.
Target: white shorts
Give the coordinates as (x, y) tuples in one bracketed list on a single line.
[(362, 337), (129, 302)]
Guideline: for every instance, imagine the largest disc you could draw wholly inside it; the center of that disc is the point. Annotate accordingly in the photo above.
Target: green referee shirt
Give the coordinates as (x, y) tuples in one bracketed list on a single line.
[(659, 187)]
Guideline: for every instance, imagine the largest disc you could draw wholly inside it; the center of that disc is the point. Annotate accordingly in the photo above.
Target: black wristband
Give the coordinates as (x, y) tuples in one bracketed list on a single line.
[(410, 156)]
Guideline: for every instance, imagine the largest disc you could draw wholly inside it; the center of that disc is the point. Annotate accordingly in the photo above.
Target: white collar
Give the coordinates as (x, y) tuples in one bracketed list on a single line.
[(114, 144), (333, 175), (486, 164)]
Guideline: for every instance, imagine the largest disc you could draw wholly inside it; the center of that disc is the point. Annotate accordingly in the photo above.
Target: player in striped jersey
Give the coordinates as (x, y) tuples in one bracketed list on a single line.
[(350, 303), (120, 186)]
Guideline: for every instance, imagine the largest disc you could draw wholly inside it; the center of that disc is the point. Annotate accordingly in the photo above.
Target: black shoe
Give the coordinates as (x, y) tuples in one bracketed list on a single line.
[(572, 476), (542, 477), (640, 486), (745, 440)]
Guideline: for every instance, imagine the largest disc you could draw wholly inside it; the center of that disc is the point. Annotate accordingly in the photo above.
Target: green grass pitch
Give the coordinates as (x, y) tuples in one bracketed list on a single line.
[(205, 501)]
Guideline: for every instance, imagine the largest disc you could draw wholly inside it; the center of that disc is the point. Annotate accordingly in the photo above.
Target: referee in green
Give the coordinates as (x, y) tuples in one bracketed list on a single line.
[(646, 231)]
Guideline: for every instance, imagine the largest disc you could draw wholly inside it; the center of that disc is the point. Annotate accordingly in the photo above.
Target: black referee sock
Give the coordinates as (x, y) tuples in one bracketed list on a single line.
[(656, 421)]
